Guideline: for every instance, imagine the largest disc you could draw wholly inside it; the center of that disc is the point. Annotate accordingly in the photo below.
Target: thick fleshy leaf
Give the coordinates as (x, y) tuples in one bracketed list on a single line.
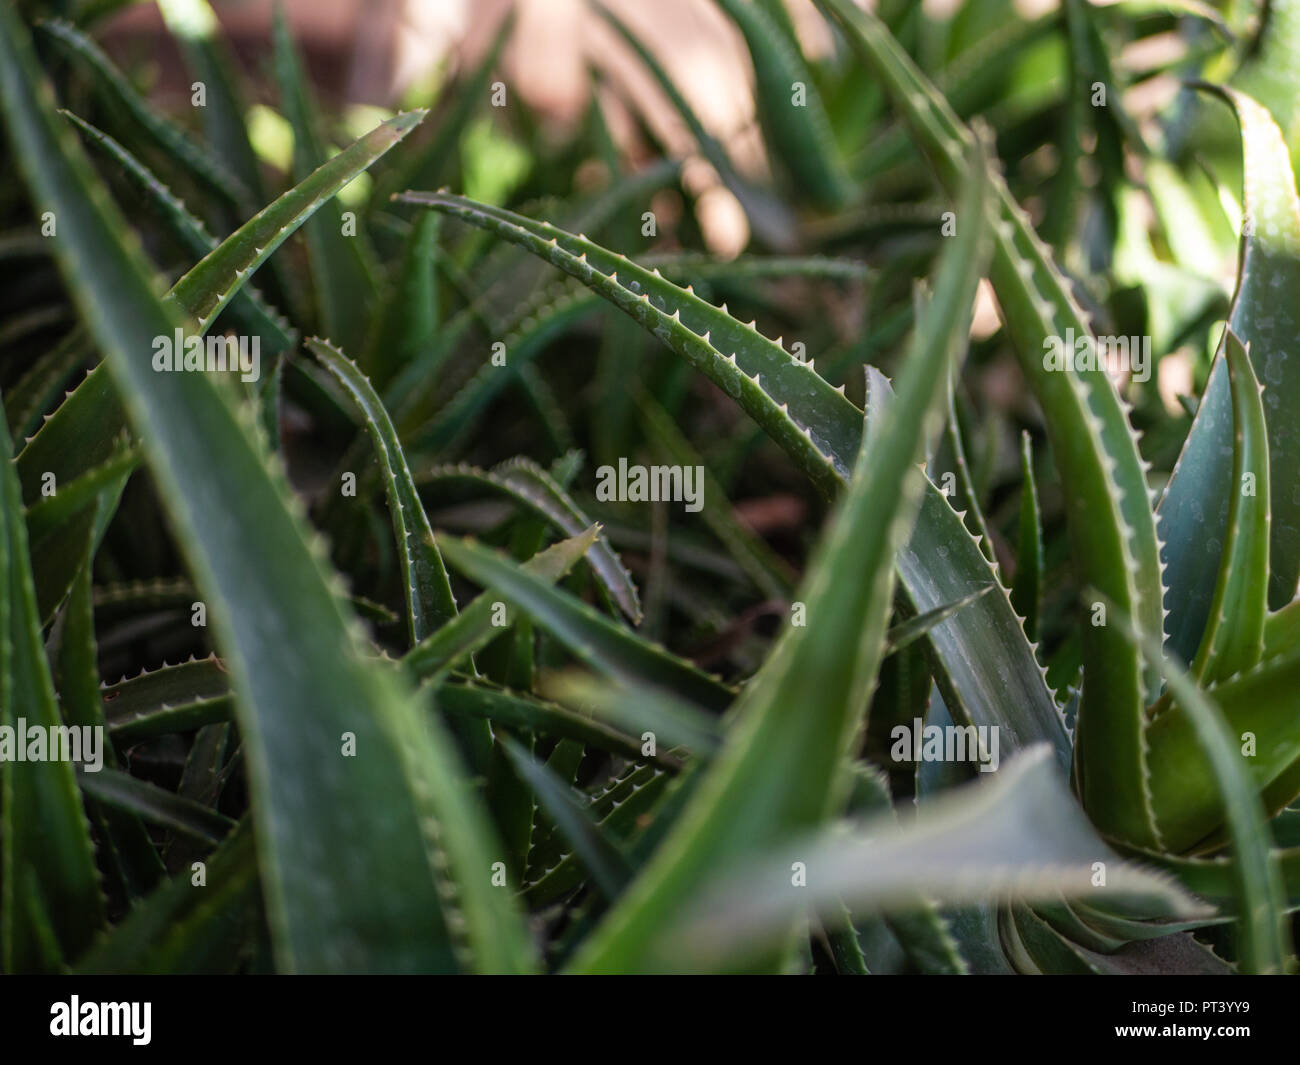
[(790, 107), (429, 600), (341, 264), (1108, 506), (389, 842), (47, 864), (87, 425), (1234, 636), (475, 626), (527, 483), (588, 634), (1019, 835), (781, 772), (182, 928), (1195, 505), (608, 868), (1265, 936), (821, 430), (166, 138), (1027, 589)]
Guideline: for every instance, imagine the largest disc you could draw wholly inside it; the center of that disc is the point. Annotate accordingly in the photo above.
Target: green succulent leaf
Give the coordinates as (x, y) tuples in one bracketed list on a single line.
[(1264, 940), (46, 858), (608, 868), (1234, 635), (340, 263), (396, 878), (790, 107), (1018, 835), (1111, 524), (1027, 590), (588, 634), (184, 928), (429, 600), (527, 483), (819, 428), (474, 627), (156, 805), (780, 771), (166, 138), (1194, 511)]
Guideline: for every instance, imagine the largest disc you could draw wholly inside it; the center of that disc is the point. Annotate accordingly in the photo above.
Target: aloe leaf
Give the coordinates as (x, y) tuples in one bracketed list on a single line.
[(539, 322), (608, 868), (429, 600), (61, 552), (908, 632), (341, 268), (970, 645), (409, 321), (619, 812), (1027, 589), (193, 694), (48, 514), (172, 698), (771, 573), (65, 528), (170, 140), (209, 286), (85, 428), (247, 307), (564, 761), (527, 483), (182, 927), (1234, 634), (36, 391), (798, 133), (1268, 73), (950, 468), (821, 425), (312, 805), (194, 25), (46, 858), (1111, 525), (1257, 705), (589, 635), (922, 930), (1218, 880), (640, 710), (82, 433), (1194, 508), (154, 804), (455, 417), (479, 701), (1282, 629), (781, 772), (1018, 835), (821, 430), (125, 845), (474, 626), (1260, 902)]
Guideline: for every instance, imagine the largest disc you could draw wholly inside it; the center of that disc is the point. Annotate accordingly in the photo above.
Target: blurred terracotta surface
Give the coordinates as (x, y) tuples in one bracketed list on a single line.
[(373, 51)]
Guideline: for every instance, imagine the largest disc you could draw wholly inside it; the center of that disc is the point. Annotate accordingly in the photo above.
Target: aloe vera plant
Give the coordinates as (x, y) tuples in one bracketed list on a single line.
[(440, 585)]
